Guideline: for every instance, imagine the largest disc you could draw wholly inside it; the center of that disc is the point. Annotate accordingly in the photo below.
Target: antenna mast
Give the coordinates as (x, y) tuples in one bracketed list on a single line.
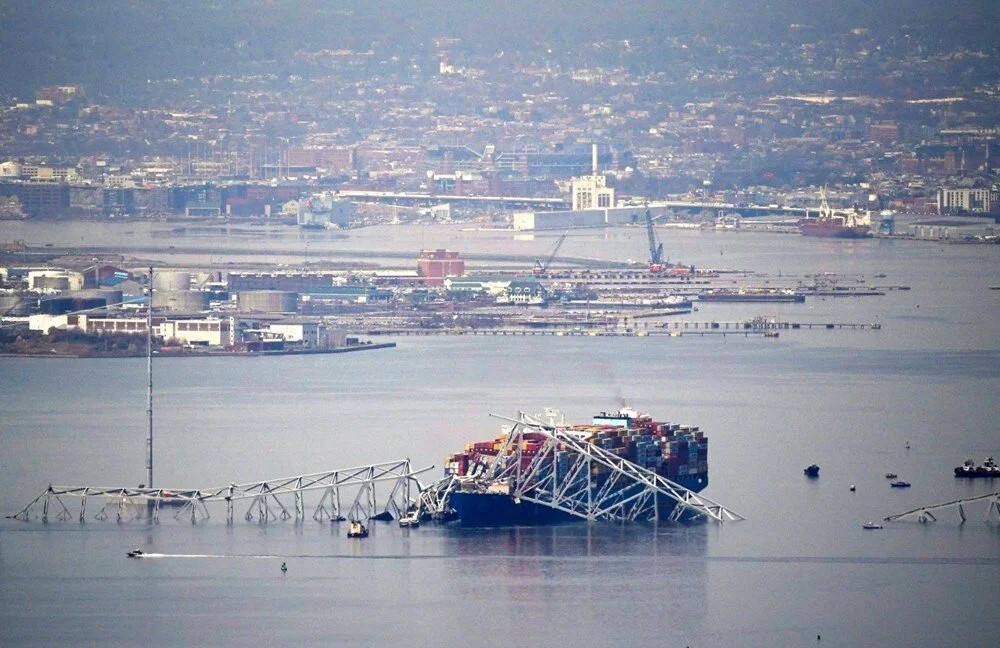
[(149, 376)]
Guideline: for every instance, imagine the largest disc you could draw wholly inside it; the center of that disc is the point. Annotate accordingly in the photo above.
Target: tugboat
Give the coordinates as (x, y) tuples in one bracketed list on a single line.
[(410, 520), (136, 553), (891, 475), (357, 530), (900, 484), (811, 471), (969, 469)]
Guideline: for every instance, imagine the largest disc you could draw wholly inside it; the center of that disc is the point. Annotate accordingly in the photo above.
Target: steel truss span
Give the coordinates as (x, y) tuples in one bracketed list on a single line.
[(927, 513), (359, 493), (563, 475)]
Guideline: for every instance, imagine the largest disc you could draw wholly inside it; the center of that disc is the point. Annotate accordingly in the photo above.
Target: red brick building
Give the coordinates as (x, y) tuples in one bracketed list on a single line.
[(438, 264)]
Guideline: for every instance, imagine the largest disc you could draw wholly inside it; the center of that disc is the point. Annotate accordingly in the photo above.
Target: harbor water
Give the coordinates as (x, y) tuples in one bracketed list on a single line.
[(800, 565)]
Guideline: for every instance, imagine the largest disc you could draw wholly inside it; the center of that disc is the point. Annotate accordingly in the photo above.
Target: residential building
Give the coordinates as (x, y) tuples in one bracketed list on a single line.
[(980, 200)]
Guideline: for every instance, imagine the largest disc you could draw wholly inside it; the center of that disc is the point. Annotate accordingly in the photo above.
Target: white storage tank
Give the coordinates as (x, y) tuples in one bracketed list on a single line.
[(186, 301), (16, 303), (267, 301), (171, 280), (109, 296)]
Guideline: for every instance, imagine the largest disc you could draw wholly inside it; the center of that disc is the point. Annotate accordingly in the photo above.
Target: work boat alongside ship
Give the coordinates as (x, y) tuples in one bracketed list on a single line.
[(845, 223), (622, 466)]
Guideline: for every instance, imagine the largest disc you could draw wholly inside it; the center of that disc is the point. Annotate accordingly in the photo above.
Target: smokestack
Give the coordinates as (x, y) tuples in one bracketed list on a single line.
[(593, 158)]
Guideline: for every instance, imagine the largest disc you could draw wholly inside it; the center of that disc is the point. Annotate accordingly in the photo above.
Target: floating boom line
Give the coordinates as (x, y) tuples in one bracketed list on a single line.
[(347, 493)]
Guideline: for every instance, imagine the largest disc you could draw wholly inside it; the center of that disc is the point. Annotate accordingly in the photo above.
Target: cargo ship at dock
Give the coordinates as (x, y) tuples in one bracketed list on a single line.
[(751, 295), (852, 223), (678, 453)]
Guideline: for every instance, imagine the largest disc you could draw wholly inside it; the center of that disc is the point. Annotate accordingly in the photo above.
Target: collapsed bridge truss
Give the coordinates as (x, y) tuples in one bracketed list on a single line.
[(566, 473), (925, 514), (345, 494), (576, 477)]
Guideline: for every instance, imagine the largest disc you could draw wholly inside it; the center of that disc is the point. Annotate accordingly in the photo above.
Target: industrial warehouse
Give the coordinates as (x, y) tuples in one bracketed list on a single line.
[(76, 306), (192, 312)]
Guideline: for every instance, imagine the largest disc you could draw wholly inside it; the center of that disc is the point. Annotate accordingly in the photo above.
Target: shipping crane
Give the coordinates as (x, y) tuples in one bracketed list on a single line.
[(655, 247), (541, 268)]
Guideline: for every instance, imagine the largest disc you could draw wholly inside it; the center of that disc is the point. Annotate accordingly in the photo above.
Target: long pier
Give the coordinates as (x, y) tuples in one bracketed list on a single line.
[(641, 329)]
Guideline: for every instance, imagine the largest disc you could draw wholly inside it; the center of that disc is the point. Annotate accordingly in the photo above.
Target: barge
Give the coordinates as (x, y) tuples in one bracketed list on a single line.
[(970, 470), (751, 295)]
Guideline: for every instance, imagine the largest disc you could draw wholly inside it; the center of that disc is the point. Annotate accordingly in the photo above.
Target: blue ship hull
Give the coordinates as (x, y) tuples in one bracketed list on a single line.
[(496, 509)]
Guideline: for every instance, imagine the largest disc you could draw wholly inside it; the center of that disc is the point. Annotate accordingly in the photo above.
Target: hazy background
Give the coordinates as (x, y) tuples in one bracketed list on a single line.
[(113, 47)]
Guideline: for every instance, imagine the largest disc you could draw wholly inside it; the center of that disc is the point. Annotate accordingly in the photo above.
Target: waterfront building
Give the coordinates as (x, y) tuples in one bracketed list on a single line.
[(592, 191), (324, 210), (978, 200), (477, 285), (438, 264), (524, 291)]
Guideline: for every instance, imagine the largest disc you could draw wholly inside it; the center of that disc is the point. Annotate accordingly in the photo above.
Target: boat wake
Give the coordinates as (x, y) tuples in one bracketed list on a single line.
[(857, 560)]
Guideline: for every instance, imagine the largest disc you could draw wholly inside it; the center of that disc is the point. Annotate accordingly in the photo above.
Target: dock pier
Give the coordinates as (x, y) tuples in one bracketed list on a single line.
[(635, 329)]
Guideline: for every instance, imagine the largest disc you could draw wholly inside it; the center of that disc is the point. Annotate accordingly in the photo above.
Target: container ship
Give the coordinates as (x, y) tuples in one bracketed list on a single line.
[(677, 452)]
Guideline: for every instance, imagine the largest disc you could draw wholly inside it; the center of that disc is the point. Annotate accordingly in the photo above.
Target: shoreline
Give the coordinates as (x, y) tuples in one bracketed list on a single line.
[(209, 354)]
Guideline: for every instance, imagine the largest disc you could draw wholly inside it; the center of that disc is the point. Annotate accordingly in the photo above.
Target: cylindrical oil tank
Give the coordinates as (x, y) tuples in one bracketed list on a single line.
[(17, 304), (60, 305), (109, 296), (51, 283), (188, 301), (171, 280), (202, 278), (267, 301)]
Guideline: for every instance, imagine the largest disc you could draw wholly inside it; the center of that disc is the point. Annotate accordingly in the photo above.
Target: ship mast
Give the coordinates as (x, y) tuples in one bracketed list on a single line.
[(149, 376)]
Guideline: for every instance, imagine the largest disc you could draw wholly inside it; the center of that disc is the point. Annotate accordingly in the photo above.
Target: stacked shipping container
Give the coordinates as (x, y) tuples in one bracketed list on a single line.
[(677, 452)]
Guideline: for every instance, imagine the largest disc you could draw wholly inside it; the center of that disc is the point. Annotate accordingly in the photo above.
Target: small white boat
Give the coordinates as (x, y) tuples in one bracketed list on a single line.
[(410, 520), (871, 525)]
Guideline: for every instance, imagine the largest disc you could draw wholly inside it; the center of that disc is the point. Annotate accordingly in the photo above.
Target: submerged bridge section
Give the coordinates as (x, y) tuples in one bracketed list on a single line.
[(566, 473), (578, 478), (926, 514), (384, 490)]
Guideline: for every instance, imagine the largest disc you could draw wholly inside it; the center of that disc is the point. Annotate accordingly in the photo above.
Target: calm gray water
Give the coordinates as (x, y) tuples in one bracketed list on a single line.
[(799, 566)]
